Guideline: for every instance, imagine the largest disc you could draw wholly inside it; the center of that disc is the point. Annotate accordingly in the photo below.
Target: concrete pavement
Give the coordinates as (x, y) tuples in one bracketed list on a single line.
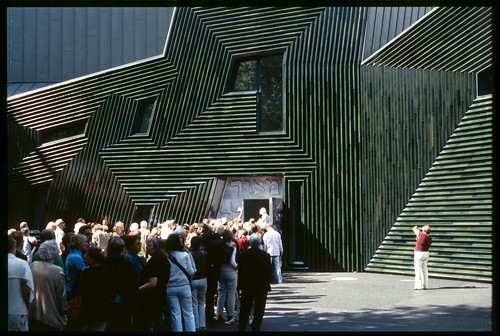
[(371, 302)]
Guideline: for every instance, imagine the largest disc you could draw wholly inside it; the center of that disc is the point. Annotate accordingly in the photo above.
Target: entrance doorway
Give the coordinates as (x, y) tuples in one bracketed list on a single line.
[(251, 208)]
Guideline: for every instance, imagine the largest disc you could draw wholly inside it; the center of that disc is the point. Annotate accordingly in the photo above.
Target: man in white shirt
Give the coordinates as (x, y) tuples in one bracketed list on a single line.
[(29, 241), (20, 289), (264, 218), (59, 234), (165, 229), (274, 246)]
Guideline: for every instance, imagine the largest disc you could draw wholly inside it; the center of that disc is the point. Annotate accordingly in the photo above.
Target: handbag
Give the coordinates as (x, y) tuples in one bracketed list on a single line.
[(75, 305), (172, 259)]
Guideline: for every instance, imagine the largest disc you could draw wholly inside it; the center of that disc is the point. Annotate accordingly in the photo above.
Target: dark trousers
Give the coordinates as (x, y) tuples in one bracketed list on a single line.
[(258, 299), (212, 278), (35, 325), (119, 318)]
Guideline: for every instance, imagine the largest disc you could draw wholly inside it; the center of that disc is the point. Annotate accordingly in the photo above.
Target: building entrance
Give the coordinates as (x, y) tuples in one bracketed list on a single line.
[(242, 197), (251, 208)]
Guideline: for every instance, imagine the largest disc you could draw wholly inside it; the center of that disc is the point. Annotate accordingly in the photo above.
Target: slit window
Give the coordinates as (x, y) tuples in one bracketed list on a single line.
[(63, 131), (144, 116)]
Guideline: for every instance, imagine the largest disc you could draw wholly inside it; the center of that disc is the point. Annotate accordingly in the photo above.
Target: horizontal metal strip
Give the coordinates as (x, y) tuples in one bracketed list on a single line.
[(456, 180), (464, 206), (436, 260), (457, 154), (482, 202), (457, 194), (479, 170)]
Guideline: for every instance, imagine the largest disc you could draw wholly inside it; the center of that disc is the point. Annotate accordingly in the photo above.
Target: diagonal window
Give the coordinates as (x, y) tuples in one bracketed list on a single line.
[(64, 131), (264, 75), (144, 116)]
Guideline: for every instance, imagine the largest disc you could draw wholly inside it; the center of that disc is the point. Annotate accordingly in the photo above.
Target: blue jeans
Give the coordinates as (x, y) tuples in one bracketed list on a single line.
[(276, 264), (181, 308), (199, 291)]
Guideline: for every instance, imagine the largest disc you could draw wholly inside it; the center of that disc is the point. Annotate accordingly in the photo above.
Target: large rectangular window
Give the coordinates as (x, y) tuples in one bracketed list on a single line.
[(263, 74)]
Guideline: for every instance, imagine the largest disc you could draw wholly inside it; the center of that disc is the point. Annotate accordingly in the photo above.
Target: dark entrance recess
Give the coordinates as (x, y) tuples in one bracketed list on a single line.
[(251, 208), (485, 81), (296, 233), (142, 212)]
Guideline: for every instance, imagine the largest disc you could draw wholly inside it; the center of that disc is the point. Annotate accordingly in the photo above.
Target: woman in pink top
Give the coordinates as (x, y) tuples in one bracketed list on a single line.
[(421, 256)]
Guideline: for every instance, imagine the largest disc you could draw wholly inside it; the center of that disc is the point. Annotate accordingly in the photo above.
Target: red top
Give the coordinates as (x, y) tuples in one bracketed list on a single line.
[(243, 243), (424, 241)]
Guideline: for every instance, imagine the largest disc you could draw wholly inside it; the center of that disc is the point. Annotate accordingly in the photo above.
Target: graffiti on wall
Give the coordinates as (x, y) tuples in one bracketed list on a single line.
[(252, 187)]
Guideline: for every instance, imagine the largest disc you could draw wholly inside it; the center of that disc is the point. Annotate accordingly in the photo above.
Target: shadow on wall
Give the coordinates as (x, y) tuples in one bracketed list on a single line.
[(300, 245)]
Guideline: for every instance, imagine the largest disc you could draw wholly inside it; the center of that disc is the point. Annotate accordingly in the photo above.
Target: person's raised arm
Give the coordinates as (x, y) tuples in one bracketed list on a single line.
[(416, 230)]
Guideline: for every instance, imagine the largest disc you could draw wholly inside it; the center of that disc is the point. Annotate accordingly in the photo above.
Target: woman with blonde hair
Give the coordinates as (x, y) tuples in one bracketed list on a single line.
[(51, 225), (156, 232)]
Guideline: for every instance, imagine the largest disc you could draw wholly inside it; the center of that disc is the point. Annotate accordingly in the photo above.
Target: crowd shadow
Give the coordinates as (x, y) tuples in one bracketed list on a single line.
[(462, 318), (295, 278), (290, 310), (296, 307)]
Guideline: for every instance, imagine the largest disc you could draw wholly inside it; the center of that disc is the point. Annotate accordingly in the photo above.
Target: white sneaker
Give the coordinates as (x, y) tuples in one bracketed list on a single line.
[(250, 320)]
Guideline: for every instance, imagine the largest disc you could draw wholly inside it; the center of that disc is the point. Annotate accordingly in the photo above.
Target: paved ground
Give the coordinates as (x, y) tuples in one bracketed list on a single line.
[(369, 302)]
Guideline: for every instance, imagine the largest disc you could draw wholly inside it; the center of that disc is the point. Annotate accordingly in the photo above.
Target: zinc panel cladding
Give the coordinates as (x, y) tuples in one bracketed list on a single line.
[(47, 45), (455, 199), (359, 136), (449, 85)]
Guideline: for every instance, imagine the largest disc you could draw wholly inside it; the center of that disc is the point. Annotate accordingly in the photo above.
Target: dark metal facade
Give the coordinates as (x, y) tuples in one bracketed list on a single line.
[(360, 133)]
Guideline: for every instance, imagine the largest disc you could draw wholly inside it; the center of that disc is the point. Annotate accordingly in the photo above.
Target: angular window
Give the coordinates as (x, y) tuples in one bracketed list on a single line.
[(144, 116), (264, 75), (485, 80), (63, 131)]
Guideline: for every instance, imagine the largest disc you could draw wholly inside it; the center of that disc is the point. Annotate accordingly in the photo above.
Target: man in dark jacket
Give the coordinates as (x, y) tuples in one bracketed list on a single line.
[(255, 274), (214, 246)]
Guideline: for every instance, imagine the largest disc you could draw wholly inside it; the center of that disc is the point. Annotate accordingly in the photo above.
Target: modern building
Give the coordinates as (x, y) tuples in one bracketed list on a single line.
[(349, 124)]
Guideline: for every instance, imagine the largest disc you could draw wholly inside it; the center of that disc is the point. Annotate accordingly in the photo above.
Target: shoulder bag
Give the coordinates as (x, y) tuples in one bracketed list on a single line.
[(172, 259)]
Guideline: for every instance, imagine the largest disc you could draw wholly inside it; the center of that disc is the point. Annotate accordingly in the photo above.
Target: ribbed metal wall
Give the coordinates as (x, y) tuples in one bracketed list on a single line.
[(336, 114), (384, 23), (455, 200), (448, 38), (416, 90), (47, 45)]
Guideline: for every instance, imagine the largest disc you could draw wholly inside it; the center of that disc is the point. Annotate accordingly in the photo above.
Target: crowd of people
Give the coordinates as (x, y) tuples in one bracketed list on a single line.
[(167, 278)]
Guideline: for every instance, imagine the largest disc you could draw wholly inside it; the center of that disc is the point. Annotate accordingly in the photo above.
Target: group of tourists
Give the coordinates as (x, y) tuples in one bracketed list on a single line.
[(170, 278)]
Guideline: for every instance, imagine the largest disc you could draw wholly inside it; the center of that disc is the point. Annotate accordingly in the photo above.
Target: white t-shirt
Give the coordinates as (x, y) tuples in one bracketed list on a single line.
[(27, 248), (59, 236), (18, 270)]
